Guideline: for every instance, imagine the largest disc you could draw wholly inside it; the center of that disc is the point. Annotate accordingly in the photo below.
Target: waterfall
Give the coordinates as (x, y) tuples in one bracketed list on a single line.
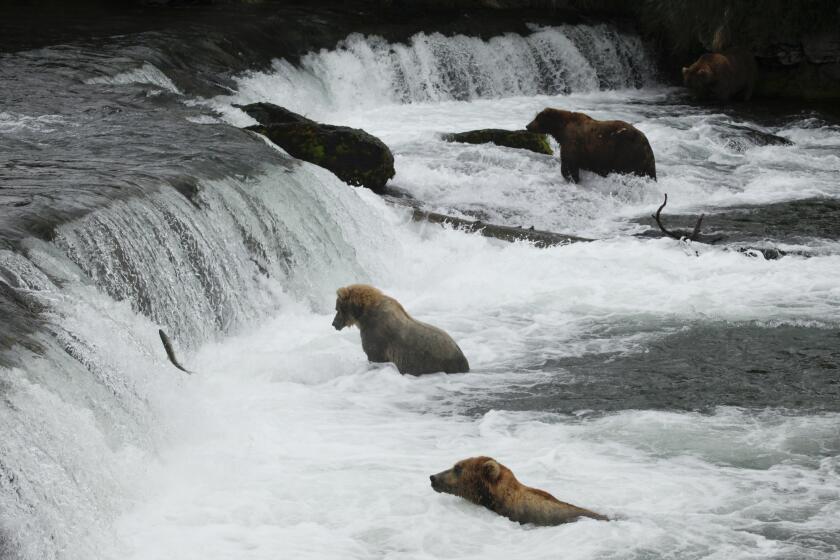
[(84, 410), (367, 71), (195, 267)]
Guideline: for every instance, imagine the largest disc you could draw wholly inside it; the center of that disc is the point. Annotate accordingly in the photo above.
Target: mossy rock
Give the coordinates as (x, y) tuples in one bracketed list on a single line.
[(520, 139), (269, 113), (356, 157)]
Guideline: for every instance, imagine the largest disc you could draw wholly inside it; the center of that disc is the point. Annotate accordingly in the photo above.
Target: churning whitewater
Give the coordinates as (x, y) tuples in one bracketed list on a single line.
[(687, 391)]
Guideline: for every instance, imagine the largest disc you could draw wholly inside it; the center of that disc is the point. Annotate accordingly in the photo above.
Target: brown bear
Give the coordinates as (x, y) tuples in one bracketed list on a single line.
[(601, 146), (487, 483), (389, 334), (722, 76)]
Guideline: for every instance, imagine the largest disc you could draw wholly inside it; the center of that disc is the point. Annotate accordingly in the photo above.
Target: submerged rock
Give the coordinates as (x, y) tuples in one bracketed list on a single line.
[(744, 137), (511, 234), (539, 238), (520, 139), (356, 157)]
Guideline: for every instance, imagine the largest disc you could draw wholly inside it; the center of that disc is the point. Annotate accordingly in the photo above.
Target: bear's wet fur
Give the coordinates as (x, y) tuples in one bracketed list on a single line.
[(722, 76), (601, 146), (390, 334), (485, 482)]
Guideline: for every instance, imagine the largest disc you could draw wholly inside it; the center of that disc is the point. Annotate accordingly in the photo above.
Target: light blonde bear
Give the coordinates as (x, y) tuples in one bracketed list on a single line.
[(390, 334)]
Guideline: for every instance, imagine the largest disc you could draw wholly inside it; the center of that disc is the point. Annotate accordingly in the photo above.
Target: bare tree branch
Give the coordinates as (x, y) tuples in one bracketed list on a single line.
[(693, 236)]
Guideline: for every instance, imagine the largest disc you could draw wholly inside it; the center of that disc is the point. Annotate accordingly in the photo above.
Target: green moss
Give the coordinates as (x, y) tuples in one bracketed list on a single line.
[(315, 151), (544, 146), (353, 155), (519, 139)]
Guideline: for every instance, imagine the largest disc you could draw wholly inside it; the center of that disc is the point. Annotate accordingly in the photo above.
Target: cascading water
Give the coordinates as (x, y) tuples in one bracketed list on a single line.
[(689, 392), (159, 255), (83, 416), (366, 72)]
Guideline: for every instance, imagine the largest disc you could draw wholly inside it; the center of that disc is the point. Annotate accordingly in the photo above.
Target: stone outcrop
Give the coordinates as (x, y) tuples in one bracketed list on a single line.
[(520, 139), (353, 155)]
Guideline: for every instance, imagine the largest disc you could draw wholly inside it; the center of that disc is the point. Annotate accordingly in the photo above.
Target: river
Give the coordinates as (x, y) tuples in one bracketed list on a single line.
[(689, 391)]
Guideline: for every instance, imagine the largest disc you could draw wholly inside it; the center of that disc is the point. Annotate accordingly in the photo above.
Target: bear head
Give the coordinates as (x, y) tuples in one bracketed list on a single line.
[(699, 76), (474, 479), (352, 302), (551, 121)]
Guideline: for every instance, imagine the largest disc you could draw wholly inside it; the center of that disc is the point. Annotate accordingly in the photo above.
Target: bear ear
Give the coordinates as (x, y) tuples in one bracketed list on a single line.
[(491, 470)]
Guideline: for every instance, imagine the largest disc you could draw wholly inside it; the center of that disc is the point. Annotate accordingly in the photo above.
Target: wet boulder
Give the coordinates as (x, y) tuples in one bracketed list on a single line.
[(741, 138), (269, 113), (356, 157), (520, 139)]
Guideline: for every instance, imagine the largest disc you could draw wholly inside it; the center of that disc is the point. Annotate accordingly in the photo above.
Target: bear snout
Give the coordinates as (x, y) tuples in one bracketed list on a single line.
[(338, 323), (437, 484), (532, 126)]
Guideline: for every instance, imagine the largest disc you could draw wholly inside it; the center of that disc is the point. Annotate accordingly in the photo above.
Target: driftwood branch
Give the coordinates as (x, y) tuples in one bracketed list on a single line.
[(539, 238), (693, 236)]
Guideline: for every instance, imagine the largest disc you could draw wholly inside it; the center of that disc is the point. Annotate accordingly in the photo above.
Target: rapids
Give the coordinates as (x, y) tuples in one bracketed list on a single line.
[(688, 391)]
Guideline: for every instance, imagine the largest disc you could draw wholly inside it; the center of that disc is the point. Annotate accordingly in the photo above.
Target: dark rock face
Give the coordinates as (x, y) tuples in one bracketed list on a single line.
[(355, 156), (800, 81), (796, 45), (520, 139), (807, 66), (822, 47)]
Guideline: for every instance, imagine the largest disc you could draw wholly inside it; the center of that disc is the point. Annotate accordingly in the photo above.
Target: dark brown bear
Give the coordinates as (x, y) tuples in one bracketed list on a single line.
[(722, 76), (389, 334), (601, 146), (485, 482)]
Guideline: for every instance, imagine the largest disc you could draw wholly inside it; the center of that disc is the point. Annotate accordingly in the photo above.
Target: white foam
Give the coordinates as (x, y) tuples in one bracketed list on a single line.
[(146, 74), (11, 123), (305, 450), (368, 72), (287, 442), (696, 163), (301, 448)]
